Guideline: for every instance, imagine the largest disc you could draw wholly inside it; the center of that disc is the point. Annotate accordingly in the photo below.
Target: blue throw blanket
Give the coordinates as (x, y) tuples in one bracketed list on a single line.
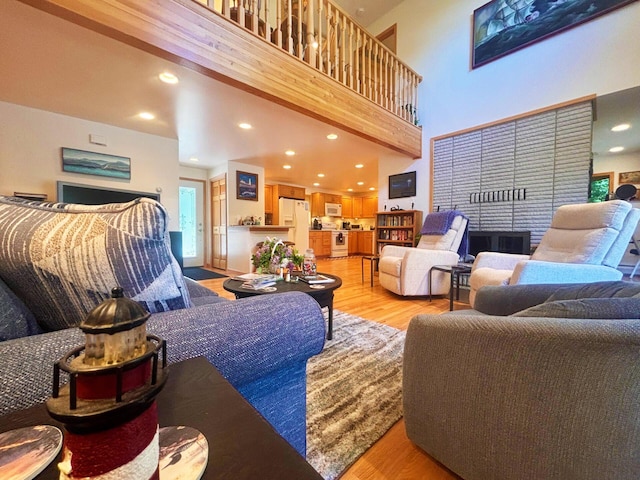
[(439, 223)]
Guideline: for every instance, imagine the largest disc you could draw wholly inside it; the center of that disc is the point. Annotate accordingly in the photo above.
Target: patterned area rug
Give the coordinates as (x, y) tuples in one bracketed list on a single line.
[(354, 392)]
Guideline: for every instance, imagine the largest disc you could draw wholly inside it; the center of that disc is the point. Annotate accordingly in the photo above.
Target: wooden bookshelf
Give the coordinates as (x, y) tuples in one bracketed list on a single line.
[(398, 227)]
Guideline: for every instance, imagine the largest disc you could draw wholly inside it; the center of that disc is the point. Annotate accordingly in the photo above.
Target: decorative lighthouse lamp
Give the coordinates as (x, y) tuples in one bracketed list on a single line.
[(108, 406)]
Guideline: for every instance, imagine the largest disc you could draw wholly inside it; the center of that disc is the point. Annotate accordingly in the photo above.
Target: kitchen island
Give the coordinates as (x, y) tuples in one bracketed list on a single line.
[(242, 240)]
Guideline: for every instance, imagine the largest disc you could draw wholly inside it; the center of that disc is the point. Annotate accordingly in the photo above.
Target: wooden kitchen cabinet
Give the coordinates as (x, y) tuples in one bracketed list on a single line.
[(331, 198), (357, 207), (367, 248), (320, 242), (353, 240), (268, 199), (326, 244), (369, 207), (347, 207), (317, 204), (315, 241), (288, 191)]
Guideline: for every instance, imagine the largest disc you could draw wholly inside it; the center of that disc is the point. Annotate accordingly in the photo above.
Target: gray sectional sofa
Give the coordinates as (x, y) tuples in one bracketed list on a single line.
[(58, 261), (542, 383)]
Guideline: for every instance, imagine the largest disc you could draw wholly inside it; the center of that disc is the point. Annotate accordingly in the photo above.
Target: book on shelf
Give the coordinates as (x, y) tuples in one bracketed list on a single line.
[(314, 279)]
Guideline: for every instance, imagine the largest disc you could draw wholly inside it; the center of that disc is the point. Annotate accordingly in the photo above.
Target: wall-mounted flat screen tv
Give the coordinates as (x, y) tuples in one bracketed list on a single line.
[(91, 195), (402, 185)]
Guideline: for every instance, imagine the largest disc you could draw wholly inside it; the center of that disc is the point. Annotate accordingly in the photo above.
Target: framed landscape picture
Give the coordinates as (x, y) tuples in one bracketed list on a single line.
[(629, 177), (247, 185), (501, 27), (92, 163)]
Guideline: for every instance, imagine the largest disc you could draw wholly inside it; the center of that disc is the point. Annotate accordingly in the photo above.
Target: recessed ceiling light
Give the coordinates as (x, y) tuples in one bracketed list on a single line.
[(245, 126), (290, 153), (621, 128), (193, 159), (360, 183), (332, 136), (372, 188), (359, 165), (146, 115), (316, 184), (168, 77), (616, 149), (321, 175), (286, 167), (349, 189)]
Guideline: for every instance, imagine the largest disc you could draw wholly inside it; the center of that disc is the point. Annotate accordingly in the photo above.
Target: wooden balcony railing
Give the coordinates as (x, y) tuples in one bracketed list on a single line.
[(325, 37)]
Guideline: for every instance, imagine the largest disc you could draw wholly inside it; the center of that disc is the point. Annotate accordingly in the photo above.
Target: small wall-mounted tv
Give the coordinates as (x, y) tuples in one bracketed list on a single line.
[(402, 185), (91, 195)]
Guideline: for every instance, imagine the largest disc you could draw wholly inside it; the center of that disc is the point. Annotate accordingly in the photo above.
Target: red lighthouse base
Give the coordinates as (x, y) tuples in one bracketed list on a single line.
[(129, 450)]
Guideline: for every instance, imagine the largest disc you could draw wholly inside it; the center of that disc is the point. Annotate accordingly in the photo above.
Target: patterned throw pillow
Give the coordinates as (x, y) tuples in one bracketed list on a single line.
[(62, 260)]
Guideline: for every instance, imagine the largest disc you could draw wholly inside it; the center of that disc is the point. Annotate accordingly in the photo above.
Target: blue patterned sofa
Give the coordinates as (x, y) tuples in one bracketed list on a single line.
[(53, 255)]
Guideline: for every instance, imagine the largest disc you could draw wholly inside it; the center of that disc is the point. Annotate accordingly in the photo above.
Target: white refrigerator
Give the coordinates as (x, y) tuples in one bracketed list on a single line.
[(295, 214)]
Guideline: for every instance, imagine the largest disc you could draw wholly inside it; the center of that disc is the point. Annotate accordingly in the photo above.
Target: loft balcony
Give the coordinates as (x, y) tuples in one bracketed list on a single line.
[(307, 55)]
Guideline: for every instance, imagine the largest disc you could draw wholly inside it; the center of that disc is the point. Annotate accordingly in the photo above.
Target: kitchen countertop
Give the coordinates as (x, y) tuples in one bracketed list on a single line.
[(263, 228)]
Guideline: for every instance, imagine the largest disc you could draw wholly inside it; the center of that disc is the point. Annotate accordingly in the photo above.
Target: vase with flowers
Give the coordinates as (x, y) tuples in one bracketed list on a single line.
[(274, 254)]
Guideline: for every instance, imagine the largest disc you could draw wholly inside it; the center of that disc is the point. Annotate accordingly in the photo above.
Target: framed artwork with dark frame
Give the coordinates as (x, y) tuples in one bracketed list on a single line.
[(402, 185), (247, 186), (501, 27)]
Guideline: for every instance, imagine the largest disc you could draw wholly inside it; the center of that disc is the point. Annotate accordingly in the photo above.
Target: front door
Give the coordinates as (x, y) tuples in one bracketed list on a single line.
[(192, 221)]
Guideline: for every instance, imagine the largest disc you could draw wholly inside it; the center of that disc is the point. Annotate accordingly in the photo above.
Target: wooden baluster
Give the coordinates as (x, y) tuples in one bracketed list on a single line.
[(343, 51), (279, 23), (385, 78), (320, 40), (267, 26), (358, 87), (370, 68), (329, 42), (289, 29), (254, 16), (351, 56), (241, 13), (226, 8), (299, 27), (311, 51), (334, 46)]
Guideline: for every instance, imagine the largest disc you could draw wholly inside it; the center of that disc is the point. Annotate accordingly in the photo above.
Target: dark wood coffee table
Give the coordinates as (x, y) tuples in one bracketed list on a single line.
[(323, 296), (242, 444)]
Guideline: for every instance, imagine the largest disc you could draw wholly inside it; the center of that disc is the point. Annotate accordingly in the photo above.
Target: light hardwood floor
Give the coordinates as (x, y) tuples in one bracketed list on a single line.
[(393, 457)]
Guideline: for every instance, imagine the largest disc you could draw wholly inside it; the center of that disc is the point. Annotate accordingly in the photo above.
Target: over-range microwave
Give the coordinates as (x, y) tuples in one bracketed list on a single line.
[(333, 209)]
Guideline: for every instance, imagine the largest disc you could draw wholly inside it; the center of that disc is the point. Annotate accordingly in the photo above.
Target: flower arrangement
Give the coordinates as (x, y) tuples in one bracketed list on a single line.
[(273, 253)]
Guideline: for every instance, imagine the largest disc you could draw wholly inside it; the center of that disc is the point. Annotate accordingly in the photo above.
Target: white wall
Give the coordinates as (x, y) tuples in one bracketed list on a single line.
[(30, 155), (434, 38)]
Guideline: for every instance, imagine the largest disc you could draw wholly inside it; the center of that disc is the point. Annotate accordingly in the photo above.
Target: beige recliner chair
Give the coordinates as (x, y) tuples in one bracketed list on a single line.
[(405, 270), (585, 243)]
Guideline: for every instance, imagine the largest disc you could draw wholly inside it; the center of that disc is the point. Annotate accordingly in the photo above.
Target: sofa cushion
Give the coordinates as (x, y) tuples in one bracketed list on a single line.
[(596, 290), (16, 320), (62, 259), (590, 308)]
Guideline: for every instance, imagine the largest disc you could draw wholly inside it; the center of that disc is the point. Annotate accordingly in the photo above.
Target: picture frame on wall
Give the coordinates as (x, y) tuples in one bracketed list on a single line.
[(501, 27), (629, 177), (247, 186), (93, 163)]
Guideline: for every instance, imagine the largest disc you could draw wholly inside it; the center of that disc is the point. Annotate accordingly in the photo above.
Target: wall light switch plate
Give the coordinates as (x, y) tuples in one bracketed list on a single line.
[(98, 139)]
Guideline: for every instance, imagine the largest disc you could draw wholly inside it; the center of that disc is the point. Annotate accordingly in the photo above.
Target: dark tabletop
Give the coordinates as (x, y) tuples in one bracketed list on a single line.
[(242, 444), (235, 286)]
